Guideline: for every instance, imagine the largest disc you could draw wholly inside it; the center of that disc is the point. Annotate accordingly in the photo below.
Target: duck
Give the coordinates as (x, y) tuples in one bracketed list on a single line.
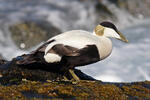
[(78, 48)]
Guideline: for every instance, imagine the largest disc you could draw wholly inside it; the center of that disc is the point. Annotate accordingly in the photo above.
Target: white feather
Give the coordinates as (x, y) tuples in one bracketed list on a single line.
[(51, 58), (108, 32), (79, 39), (76, 38)]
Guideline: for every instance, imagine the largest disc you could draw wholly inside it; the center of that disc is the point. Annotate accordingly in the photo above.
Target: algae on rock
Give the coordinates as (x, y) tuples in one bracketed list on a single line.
[(18, 82)]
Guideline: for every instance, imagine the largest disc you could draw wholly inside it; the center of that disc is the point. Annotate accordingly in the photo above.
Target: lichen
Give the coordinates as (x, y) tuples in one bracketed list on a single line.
[(68, 89), (21, 83)]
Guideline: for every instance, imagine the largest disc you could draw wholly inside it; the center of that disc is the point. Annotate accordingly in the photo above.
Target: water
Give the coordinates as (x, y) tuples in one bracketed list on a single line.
[(128, 62), (63, 14)]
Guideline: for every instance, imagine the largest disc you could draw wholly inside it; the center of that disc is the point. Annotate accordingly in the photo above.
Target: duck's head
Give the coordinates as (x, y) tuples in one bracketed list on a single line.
[(108, 29)]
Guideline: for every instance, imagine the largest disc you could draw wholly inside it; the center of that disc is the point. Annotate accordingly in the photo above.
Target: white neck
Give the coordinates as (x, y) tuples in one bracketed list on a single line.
[(105, 47), (94, 33)]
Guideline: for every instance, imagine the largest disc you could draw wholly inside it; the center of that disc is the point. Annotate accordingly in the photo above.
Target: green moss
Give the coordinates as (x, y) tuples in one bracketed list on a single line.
[(21, 83), (137, 90), (82, 89)]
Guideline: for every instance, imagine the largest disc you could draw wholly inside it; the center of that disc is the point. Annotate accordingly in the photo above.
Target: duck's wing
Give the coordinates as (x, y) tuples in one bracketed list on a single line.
[(63, 50), (76, 57), (42, 47), (35, 56)]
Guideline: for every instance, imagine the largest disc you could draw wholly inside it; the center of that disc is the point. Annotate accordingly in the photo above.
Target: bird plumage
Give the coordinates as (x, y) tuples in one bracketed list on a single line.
[(79, 39), (76, 48)]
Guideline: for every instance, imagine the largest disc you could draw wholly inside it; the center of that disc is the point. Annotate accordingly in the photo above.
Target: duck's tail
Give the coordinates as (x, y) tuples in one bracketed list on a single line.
[(27, 59)]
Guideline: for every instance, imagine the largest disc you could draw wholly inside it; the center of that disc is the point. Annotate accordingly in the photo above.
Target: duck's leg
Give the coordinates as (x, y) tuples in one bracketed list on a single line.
[(65, 72), (65, 78), (71, 71)]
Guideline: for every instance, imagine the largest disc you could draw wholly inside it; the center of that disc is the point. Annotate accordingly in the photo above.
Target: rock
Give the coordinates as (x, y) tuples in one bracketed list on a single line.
[(103, 8), (29, 33), (104, 12), (2, 61), (1, 58), (138, 8), (13, 73), (20, 82), (75, 90)]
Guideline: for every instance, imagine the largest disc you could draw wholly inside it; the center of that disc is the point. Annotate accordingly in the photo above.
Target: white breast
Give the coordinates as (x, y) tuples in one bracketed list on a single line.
[(105, 47)]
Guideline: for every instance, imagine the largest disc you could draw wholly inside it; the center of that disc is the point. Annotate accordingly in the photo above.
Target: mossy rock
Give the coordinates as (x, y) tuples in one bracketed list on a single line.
[(71, 90), (27, 34), (20, 82)]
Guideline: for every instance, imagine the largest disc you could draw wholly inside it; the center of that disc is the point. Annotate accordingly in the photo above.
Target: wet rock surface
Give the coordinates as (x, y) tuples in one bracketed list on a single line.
[(137, 8), (104, 12), (2, 61), (19, 82), (76, 90), (106, 9), (27, 34)]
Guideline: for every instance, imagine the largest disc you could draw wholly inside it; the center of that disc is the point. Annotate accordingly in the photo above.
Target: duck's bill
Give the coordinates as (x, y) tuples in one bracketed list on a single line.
[(122, 37)]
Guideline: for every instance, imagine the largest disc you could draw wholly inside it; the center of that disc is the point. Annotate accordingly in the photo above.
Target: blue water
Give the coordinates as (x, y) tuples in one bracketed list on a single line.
[(128, 62)]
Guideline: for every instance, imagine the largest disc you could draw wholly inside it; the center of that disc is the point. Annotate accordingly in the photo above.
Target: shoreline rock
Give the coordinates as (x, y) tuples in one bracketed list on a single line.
[(22, 83)]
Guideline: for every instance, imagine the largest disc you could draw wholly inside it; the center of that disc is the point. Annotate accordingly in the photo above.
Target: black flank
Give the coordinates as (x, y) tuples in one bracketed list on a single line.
[(63, 50), (87, 55)]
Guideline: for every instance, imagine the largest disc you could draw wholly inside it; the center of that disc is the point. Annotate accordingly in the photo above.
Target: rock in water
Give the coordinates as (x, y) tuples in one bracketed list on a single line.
[(142, 7), (2, 61), (27, 34)]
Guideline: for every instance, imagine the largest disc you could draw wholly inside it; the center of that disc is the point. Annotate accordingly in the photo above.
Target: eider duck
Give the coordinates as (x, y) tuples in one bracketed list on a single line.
[(78, 47)]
